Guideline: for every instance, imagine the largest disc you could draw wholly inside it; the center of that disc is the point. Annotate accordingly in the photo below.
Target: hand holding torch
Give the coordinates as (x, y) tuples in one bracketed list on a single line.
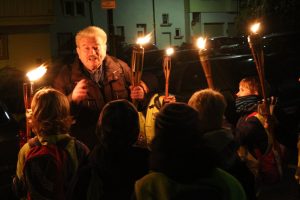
[(137, 60)]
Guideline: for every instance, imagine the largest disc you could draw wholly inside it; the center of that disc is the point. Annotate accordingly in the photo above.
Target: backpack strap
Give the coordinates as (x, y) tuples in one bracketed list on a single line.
[(32, 142), (251, 115)]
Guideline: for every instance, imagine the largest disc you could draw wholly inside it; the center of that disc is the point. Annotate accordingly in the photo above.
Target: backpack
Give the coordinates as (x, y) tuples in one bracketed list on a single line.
[(269, 162), (45, 170)]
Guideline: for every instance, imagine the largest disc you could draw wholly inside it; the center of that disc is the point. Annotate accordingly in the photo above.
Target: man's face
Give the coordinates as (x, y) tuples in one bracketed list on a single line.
[(91, 52)]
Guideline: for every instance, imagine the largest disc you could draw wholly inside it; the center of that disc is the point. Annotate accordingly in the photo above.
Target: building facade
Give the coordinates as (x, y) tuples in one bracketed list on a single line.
[(36, 31)]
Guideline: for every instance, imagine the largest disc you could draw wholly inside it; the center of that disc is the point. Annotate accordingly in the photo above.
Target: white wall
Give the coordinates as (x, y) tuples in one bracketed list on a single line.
[(176, 12), (130, 13), (217, 18)]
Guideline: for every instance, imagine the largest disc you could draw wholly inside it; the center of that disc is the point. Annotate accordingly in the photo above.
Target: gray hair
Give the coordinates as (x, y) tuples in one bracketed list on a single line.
[(91, 31)]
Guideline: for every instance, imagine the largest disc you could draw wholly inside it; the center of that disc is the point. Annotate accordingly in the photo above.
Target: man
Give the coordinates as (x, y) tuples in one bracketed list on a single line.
[(94, 79)]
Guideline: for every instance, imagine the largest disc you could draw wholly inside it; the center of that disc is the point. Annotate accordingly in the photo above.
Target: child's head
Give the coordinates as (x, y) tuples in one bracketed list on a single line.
[(211, 106), (50, 112), (249, 86), (118, 125)]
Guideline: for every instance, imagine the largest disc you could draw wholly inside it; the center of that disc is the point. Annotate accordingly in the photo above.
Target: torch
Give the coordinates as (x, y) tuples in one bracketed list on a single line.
[(28, 92), (137, 60), (167, 68), (255, 43), (203, 55), (256, 46)]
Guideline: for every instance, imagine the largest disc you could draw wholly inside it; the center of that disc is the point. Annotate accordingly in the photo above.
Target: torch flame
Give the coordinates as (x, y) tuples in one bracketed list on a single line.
[(169, 51), (201, 43), (143, 40), (37, 73), (255, 27)]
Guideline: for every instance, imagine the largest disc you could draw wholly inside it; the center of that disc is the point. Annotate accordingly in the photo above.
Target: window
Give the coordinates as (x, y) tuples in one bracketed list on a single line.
[(165, 20), (196, 16), (73, 8), (80, 8), (178, 34), (141, 30), (69, 8)]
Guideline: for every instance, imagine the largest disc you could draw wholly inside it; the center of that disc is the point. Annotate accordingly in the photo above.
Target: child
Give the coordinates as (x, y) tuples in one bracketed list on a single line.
[(211, 106), (182, 166), (36, 176), (255, 139)]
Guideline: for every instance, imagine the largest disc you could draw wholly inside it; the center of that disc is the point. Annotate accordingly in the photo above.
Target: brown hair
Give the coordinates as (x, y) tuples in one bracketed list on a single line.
[(50, 112), (211, 106)]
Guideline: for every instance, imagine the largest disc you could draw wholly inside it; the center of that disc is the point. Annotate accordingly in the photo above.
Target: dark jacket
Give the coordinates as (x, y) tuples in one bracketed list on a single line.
[(251, 134), (115, 85), (110, 175), (222, 141)]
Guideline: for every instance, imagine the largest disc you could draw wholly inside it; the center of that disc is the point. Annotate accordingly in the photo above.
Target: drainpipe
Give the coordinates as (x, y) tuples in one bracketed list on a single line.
[(111, 32), (154, 24), (91, 12)]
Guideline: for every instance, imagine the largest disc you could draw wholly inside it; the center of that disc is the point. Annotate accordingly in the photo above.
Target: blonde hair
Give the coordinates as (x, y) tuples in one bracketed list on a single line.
[(211, 106), (50, 112), (91, 31), (252, 83)]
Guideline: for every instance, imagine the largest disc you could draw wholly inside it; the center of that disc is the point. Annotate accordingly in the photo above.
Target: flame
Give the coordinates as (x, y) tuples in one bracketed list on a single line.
[(201, 43), (37, 73), (169, 51), (255, 27), (143, 40)]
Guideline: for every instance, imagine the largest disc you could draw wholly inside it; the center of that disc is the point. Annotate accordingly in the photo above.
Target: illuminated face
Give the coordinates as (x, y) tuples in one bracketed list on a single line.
[(245, 91), (91, 52)]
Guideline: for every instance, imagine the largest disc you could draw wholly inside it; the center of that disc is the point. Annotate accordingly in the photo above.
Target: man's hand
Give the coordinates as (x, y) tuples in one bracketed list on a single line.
[(137, 92), (80, 91)]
